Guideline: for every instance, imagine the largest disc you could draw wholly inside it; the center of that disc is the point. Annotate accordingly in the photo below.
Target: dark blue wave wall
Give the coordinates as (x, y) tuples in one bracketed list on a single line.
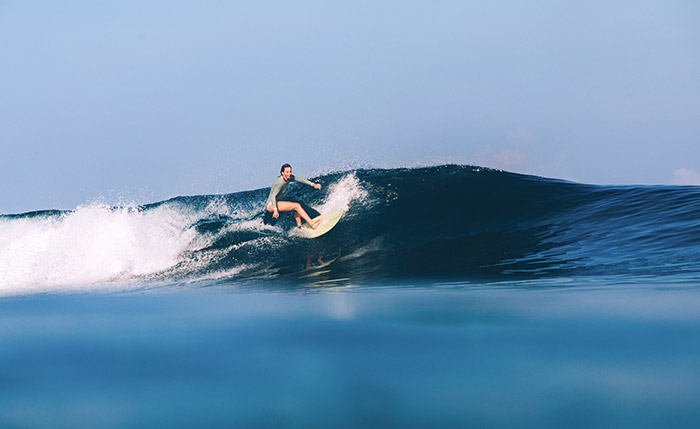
[(464, 223)]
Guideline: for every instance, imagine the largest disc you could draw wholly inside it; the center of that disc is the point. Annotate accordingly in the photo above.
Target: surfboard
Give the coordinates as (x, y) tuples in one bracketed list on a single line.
[(328, 221)]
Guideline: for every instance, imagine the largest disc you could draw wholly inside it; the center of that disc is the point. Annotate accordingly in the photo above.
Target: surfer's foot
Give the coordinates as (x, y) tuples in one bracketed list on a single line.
[(315, 223)]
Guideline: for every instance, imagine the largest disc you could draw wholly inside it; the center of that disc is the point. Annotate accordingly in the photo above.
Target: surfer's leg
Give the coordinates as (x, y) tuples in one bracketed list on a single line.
[(286, 206), (280, 206)]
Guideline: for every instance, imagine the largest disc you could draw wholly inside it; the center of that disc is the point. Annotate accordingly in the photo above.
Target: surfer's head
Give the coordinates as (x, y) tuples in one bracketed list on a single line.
[(286, 171)]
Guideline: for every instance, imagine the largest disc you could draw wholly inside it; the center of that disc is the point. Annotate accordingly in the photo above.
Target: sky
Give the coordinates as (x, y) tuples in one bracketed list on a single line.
[(139, 101)]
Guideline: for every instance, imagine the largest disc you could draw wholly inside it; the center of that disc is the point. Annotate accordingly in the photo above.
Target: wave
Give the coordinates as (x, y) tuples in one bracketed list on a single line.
[(439, 224)]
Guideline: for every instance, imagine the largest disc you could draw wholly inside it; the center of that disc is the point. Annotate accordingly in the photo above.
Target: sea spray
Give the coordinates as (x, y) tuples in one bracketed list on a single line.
[(90, 246)]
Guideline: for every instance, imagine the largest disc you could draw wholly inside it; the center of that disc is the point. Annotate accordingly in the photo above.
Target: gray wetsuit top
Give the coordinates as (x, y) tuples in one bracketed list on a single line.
[(279, 188)]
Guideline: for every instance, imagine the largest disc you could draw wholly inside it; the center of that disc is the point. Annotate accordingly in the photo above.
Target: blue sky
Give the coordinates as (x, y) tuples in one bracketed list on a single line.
[(135, 101)]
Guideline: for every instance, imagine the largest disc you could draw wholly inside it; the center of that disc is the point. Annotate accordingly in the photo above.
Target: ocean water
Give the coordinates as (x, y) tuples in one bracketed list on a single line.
[(447, 296)]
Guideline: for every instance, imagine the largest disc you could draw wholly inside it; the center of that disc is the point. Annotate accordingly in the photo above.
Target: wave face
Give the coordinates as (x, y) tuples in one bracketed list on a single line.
[(440, 224)]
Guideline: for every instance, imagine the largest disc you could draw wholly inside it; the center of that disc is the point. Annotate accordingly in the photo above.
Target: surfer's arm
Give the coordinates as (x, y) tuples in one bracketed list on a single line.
[(272, 199), (271, 204), (306, 182)]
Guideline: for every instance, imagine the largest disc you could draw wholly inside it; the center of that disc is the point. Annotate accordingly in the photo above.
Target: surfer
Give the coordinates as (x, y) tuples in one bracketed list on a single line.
[(275, 205)]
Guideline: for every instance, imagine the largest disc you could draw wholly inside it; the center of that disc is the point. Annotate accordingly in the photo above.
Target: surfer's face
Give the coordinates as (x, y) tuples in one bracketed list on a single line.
[(287, 173)]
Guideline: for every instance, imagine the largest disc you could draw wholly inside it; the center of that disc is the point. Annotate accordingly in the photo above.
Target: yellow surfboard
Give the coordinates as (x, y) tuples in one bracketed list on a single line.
[(328, 221)]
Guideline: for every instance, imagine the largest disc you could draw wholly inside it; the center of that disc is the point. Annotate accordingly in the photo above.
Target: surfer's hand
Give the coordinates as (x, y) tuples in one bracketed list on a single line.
[(276, 214), (317, 185)]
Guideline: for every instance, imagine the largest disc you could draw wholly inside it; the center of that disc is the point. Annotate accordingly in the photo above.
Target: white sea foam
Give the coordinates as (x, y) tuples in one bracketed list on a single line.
[(93, 245)]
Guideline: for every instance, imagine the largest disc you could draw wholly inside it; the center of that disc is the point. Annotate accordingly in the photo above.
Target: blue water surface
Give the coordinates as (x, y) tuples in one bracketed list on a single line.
[(443, 355)]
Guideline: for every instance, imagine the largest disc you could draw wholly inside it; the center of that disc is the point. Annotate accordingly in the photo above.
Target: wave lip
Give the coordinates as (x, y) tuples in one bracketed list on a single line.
[(443, 223)]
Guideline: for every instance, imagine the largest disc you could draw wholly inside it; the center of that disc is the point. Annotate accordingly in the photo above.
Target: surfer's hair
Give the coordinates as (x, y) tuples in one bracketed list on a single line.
[(283, 167)]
